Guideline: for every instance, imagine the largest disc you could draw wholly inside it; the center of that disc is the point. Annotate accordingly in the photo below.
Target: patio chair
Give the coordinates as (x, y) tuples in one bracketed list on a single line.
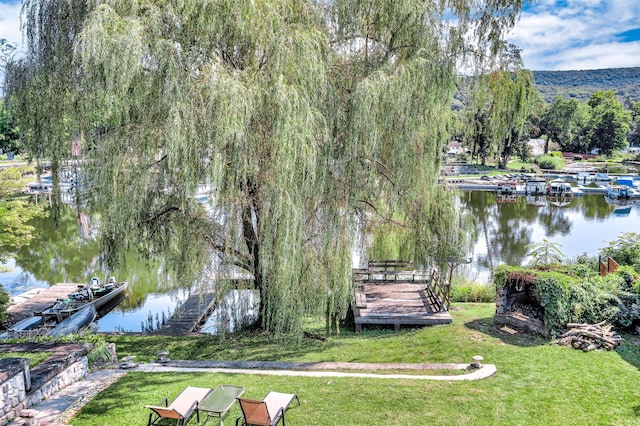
[(267, 412), (181, 408)]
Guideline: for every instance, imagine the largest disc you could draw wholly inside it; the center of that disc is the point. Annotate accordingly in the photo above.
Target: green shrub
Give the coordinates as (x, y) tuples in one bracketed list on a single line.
[(581, 298), (617, 169), (4, 303), (630, 278), (549, 162), (99, 354), (587, 261), (473, 292), (625, 249), (556, 154), (528, 169)]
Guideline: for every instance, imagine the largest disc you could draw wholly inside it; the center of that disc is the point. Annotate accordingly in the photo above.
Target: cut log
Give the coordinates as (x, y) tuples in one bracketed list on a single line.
[(591, 347), (589, 337)]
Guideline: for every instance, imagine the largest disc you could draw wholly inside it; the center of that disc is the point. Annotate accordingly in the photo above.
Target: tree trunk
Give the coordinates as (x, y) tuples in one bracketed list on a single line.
[(251, 240)]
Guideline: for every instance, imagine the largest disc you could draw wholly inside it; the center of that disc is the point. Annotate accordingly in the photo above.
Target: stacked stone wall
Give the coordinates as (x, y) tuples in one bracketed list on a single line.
[(12, 387), (22, 387)]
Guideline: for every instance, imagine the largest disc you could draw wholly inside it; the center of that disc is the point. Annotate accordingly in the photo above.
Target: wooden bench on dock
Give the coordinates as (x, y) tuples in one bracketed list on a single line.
[(362, 276), (361, 300), (388, 265)]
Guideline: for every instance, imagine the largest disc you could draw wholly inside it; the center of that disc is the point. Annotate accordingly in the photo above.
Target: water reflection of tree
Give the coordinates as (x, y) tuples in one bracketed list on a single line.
[(480, 205), (146, 278), (513, 231), (593, 208), (156, 323), (554, 221), (505, 227), (58, 253)]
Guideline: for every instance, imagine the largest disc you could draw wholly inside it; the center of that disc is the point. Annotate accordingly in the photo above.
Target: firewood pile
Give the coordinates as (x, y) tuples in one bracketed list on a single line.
[(590, 336)]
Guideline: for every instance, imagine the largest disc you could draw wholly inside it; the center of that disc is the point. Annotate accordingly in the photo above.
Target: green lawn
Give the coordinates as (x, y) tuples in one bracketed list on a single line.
[(537, 383)]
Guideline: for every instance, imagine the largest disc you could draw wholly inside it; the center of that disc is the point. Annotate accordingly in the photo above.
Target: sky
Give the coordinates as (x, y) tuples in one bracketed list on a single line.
[(554, 35), (557, 35)]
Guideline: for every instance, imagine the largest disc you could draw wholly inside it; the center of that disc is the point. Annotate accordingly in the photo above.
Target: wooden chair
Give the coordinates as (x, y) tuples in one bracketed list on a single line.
[(181, 408), (267, 412)]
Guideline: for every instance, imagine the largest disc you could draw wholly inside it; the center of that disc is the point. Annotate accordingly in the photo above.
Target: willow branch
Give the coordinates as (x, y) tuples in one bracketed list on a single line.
[(386, 218)]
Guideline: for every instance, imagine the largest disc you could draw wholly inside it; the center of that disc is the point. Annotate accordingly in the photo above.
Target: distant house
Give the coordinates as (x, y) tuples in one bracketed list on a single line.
[(537, 146), (455, 148), (633, 150)]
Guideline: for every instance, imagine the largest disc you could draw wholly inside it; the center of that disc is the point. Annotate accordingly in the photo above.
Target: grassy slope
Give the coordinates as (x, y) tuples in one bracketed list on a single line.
[(536, 383)]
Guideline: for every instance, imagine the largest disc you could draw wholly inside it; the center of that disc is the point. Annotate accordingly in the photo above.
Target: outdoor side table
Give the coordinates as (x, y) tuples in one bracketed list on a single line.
[(220, 400)]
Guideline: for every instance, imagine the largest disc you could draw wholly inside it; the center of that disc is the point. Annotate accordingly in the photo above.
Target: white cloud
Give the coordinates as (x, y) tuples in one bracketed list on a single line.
[(10, 22), (597, 56), (581, 35)]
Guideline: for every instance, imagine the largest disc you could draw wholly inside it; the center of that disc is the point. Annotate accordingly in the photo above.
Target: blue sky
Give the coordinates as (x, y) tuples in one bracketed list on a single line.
[(579, 34), (553, 34)]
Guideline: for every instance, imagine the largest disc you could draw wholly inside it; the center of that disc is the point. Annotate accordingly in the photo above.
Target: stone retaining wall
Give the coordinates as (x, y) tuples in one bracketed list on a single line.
[(13, 385), (76, 371), (22, 387)]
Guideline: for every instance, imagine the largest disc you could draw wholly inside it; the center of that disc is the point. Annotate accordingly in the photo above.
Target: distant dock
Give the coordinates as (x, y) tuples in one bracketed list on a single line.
[(190, 316)]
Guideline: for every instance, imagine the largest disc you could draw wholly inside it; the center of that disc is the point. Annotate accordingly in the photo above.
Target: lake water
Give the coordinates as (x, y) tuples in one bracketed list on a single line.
[(505, 231), (68, 253)]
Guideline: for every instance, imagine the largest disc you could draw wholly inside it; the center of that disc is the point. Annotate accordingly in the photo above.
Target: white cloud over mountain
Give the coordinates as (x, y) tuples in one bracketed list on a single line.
[(579, 34)]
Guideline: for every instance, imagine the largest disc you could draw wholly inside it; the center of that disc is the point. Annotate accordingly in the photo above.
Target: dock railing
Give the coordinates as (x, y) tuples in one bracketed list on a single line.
[(442, 289)]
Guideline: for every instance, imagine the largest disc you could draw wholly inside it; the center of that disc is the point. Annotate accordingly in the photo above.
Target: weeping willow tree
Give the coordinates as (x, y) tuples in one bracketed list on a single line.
[(501, 101), (297, 115)]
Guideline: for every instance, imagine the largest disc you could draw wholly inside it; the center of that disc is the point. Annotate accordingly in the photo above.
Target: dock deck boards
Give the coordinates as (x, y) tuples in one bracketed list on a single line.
[(40, 301), (195, 310), (399, 303)]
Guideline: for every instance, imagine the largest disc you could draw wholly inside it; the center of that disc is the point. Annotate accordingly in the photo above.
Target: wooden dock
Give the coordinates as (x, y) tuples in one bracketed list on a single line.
[(40, 301), (396, 298), (190, 316)]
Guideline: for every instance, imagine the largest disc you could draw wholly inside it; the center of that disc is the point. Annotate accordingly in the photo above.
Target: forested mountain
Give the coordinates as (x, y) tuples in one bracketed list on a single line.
[(580, 85)]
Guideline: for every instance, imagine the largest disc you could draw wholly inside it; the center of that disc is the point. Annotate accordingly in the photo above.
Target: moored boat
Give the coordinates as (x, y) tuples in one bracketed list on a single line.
[(617, 191), (535, 186), (76, 322), (536, 200), (96, 293), (559, 188), (627, 181), (508, 187), (35, 326)]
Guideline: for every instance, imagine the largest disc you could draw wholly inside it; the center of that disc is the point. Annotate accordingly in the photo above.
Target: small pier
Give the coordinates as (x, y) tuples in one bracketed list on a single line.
[(190, 316), (40, 301), (391, 297)]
